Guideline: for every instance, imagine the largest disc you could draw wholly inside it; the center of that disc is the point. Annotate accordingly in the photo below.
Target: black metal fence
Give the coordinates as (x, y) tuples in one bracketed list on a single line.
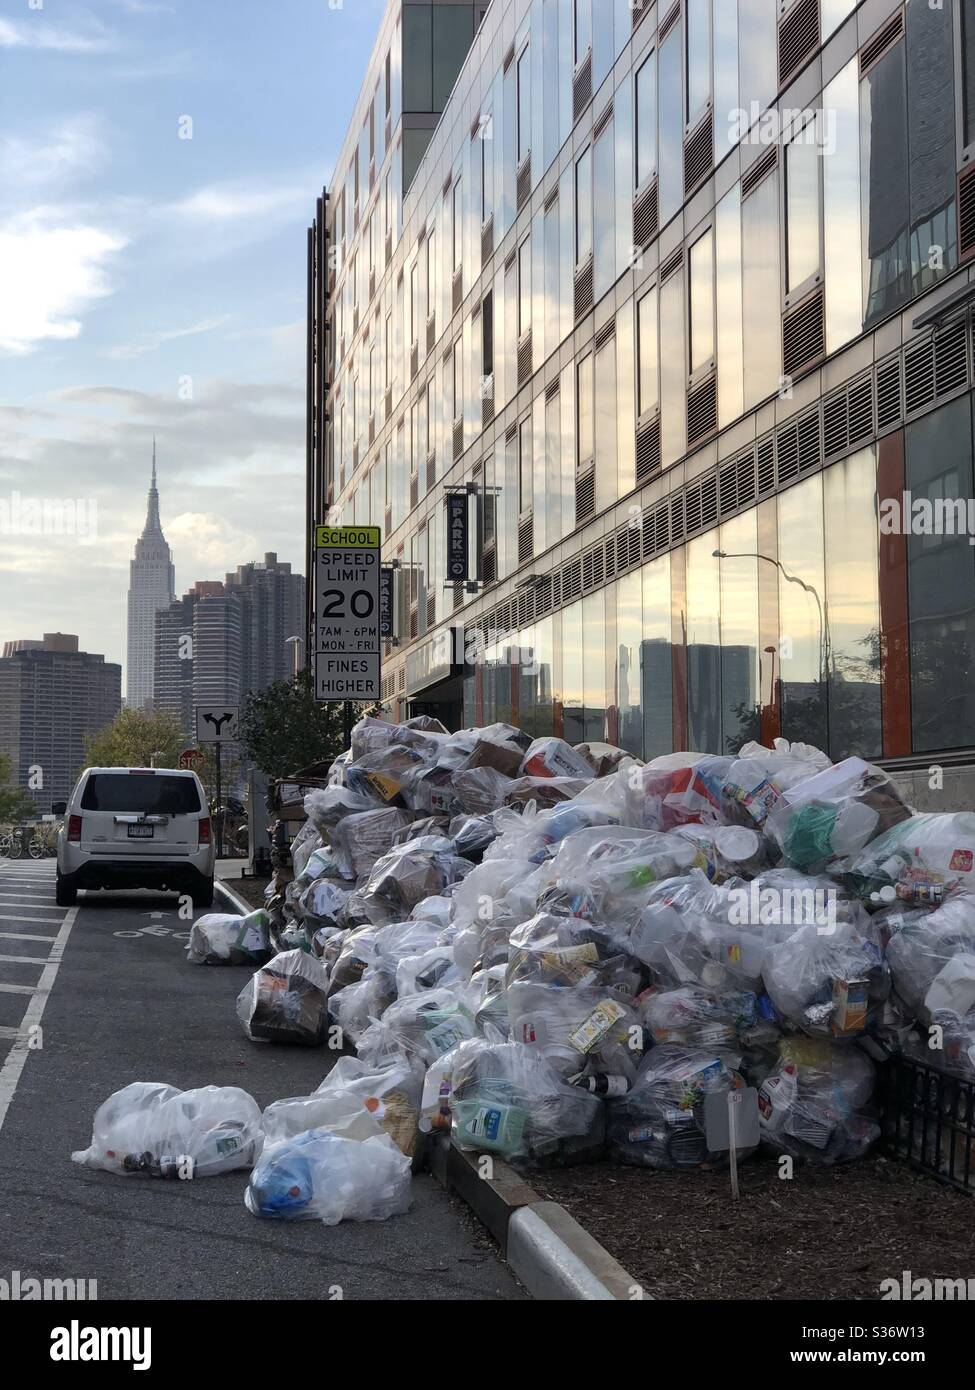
[(929, 1120)]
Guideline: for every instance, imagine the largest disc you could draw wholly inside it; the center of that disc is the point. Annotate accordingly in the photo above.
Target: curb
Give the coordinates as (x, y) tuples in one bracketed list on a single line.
[(553, 1256), (234, 901)]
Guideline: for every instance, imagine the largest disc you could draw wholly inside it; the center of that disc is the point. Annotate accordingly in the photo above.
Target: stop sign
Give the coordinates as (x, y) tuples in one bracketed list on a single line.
[(191, 758)]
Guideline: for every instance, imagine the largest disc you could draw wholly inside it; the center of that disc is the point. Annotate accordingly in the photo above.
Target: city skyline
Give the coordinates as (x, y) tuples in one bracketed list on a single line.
[(178, 305)]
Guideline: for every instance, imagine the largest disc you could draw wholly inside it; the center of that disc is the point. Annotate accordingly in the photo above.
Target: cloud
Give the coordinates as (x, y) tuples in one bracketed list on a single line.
[(221, 203), (68, 151), (39, 33), (150, 342), (49, 275)]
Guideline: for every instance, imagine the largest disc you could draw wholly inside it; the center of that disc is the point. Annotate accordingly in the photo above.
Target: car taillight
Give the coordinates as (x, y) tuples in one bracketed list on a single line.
[(74, 827), (205, 830)]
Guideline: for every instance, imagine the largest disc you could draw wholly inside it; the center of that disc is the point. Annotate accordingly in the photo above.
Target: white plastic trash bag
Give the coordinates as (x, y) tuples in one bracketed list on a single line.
[(218, 939), (149, 1127), (321, 1176)]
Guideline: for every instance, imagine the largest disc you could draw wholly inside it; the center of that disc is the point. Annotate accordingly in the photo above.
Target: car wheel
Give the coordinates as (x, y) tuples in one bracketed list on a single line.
[(203, 897), (65, 890)]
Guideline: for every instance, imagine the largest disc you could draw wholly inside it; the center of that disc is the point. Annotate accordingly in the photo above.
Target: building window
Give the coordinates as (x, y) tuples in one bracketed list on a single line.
[(457, 223), (605, 420), (702, 303), (524, 105), (584, 207), (525, 466), (761, 291), (647, 356), (414, 306), (524, 287), (670, 162), (698, 58), (487, 336), (646, 121), (487, 167), (604, 212), (584, 425), (802, 217), (583, 29)]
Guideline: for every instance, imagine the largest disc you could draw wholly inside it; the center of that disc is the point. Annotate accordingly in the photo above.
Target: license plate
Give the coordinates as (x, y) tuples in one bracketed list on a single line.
[(141, 832)]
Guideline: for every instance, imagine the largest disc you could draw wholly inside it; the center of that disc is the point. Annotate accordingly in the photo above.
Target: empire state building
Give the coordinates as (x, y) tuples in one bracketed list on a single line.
[(151, 587)]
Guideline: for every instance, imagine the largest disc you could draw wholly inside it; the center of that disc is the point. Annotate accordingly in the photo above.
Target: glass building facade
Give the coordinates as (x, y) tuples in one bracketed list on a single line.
[(676, 293)]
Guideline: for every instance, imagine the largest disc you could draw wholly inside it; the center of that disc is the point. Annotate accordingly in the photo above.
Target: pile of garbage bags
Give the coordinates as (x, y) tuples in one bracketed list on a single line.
[(555, 952)]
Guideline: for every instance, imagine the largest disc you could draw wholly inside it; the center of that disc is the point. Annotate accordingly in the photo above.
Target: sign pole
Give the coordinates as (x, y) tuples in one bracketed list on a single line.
[(219, 800)]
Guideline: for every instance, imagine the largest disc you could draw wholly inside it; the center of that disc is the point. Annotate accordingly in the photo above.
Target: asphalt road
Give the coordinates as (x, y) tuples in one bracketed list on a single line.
[(102, 995)]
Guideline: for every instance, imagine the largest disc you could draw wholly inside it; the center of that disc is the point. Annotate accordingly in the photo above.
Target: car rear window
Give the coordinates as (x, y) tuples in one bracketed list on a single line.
[(140, 791)]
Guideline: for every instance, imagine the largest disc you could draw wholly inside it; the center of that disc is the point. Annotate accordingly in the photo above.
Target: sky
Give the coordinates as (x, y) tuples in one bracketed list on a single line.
[(159, 164)]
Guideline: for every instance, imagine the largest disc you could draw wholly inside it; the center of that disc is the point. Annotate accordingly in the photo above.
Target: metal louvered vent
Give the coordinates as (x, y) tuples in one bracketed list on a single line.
[(388, 402), (458, 437), (543, 595), (609, 557), (389, 520), (414, 360), (889, 406), (648, 451), (603, 336), (525, 359), (526, 608), (918, 377), (951, 358), (414, 490), (372, 284), (765, 469), (668, 22), (526, 538), (552, 390), (583, 290), (628, 546), (487, 400), (509, 57), (645, 215), (585, 495), (372, 429), (804, 335), (571, 581), (489, 563), (431, 331), (592, 569), (640, 8), (702, 410), (672, 264), (414, 623), (457, 289), (431, 469), (762, 167), (487, 240), (656, 529), (458, 596), (389, 246), (431, 609), (875, 48), (524, 186), (582, 87), (798, 37), (676, 518), (698, 154)]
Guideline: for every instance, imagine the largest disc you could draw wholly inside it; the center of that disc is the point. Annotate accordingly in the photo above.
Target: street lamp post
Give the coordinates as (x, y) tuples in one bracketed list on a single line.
[(793, 579)]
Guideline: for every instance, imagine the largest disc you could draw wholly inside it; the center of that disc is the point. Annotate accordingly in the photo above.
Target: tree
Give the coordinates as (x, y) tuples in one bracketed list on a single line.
[(284, 728), (136, 738), (15, 804)]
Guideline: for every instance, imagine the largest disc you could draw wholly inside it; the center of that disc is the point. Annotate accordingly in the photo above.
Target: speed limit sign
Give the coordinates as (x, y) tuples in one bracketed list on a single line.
[(347, 628)]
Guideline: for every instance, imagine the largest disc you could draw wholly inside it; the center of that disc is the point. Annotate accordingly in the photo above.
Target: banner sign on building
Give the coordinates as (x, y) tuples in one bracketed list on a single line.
[(387, 601), (347, 613), (458, 544)]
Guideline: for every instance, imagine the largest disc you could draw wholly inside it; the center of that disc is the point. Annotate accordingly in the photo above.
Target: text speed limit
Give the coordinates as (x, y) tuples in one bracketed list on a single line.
[(347, 630)]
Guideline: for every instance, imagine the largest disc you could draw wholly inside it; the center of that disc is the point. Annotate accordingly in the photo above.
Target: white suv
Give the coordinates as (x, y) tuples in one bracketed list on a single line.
[(135, 827)]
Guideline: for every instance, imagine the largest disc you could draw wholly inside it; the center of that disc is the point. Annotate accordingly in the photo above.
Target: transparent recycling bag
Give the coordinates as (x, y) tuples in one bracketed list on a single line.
[(321, 1176), (817, 1104), (218, 939), (162, 1132), (284, 1001)]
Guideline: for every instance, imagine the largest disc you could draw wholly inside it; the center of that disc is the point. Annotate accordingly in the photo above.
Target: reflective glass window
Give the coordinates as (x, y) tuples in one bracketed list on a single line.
[(594, 666), (761, 292), (731, 366), (604, 373), (884, 186), (931, 143), (968, 66), (941, 577), (573, 680), (802, 644), (583, 28), (841, 206), (703, 645), (802, 165), (604, 210), (583, 207), (647, 355), (757, 52), (584, 428), (853, 606), (656, 667), (670, 188), (524, 105), (525, 465), (673, 370), (524, 287), (698, 57), (646, 121), (629, 635), (702, 301), (738, 540)]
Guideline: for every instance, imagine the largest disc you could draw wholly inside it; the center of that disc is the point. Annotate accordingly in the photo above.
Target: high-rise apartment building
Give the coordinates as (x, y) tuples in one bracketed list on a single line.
[(52, 696), (680, 295), (152, 586), (223, 639)]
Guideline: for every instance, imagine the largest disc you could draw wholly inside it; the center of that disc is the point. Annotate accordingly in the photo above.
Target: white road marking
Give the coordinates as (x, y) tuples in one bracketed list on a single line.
[(23, 960), (18, 989), (34, 921), (23, 936), (16, 1059), (30, 904)]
